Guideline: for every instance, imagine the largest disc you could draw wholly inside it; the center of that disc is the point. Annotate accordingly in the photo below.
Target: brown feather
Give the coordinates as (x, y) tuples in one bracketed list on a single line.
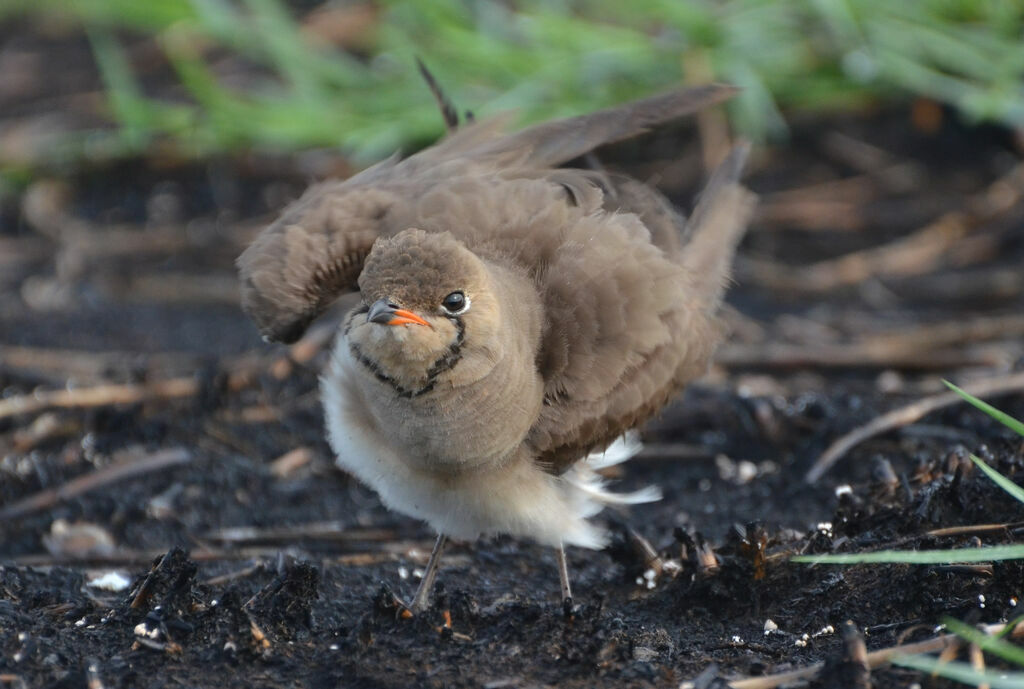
[(313, 252), (588, 303)]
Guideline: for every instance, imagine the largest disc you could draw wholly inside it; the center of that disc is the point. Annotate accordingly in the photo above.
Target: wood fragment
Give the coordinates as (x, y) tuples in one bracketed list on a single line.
[(972, 529), (11, 680), (673, 451), (902, 416), (949, 653), (982, 569), (914, 254), (712, 126), (948, 334), (323, 531), (854, 355), (291, 461), (977, 662), (233, 576), (98, 396), (172, 288), (45, 427), (645, 551), (128, 557), (158, 461), (918, 253), (875, 659), (244, 373), (856, 654), (88, 366)]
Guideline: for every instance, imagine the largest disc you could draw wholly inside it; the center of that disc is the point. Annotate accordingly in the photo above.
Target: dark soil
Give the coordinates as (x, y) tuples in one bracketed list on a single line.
[(247, 573)]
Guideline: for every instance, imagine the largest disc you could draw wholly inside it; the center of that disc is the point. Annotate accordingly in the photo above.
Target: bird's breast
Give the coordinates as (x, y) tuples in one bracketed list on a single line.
[(449, 428)]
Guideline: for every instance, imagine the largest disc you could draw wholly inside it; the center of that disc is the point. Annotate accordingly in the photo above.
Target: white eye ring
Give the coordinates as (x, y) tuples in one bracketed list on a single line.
[(465, 304)]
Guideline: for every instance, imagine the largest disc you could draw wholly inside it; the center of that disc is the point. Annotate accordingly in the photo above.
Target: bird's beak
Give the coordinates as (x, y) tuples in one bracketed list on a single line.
[(384, 312)]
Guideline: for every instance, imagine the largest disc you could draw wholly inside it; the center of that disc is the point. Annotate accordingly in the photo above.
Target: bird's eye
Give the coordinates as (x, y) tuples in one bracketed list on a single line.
[(455, 303)]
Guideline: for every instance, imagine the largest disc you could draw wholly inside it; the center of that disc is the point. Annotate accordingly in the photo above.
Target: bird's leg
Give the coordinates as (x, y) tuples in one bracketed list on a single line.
[(563, 575), (419, 603)]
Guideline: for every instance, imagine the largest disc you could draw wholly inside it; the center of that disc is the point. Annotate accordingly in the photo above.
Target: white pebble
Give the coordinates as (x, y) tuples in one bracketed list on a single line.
[(770, 626), (746, 471), (141, 629), (827, 629), (111, 581)]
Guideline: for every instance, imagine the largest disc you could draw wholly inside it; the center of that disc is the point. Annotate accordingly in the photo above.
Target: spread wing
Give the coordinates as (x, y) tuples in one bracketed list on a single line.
[(315, 251), (629, 321), (621, 337)]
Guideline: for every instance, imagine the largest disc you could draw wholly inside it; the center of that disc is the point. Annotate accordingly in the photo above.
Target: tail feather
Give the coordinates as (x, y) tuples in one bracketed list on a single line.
[(716, 227), (448, 111), (589, 489)]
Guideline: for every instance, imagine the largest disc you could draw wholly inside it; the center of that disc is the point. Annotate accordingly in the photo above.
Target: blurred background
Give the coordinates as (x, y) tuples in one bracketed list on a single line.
[(145, 143), (198, 78)]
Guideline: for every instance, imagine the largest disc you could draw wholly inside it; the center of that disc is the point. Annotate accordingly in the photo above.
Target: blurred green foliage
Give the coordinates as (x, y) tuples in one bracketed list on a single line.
[(544, 58)]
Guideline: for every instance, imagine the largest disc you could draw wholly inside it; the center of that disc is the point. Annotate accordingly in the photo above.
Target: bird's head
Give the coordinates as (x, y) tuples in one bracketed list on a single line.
[(428, 313)]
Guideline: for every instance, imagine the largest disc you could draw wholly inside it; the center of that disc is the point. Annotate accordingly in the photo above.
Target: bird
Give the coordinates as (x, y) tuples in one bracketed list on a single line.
[(518, 319)]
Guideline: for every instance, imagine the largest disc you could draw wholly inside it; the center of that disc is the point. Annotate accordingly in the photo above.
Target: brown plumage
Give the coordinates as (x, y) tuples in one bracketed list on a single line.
[(516, 316)]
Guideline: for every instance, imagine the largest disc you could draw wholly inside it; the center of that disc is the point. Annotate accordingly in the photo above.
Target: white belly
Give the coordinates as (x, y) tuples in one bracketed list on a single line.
[(515, 497)]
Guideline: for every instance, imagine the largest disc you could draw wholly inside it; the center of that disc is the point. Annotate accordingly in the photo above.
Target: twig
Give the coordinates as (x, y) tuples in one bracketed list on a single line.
[(711, 123), (98, 396), (172, 288), (874, 659), (127, 557), (977, 662), (88, 365), (856, 654), (291, 461), (645, 551), (909, 414), (45, 427), (45, 499), (835, 204), (232, 576), (948, 334), (971, 529), (854, 355), (913, 254), (916, 253), (326, 531), (674, 451), (107, 394)]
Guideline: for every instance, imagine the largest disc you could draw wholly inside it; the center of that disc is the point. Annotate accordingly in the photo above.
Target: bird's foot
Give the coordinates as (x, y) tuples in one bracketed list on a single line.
[(386, 602), (568, 608)]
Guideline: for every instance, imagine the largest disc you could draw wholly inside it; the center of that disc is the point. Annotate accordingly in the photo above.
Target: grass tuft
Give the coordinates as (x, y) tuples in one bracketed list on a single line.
[(545, 59)]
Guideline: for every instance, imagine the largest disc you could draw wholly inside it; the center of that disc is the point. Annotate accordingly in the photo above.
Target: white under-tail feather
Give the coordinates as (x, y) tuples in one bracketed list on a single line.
[(588, 489)]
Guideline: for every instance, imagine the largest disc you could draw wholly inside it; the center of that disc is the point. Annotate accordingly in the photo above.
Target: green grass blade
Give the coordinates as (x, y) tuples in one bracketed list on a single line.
[(1006, 484), (1003, 418), (128, 105), (919, 557), (994, 645), (962, 672)]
